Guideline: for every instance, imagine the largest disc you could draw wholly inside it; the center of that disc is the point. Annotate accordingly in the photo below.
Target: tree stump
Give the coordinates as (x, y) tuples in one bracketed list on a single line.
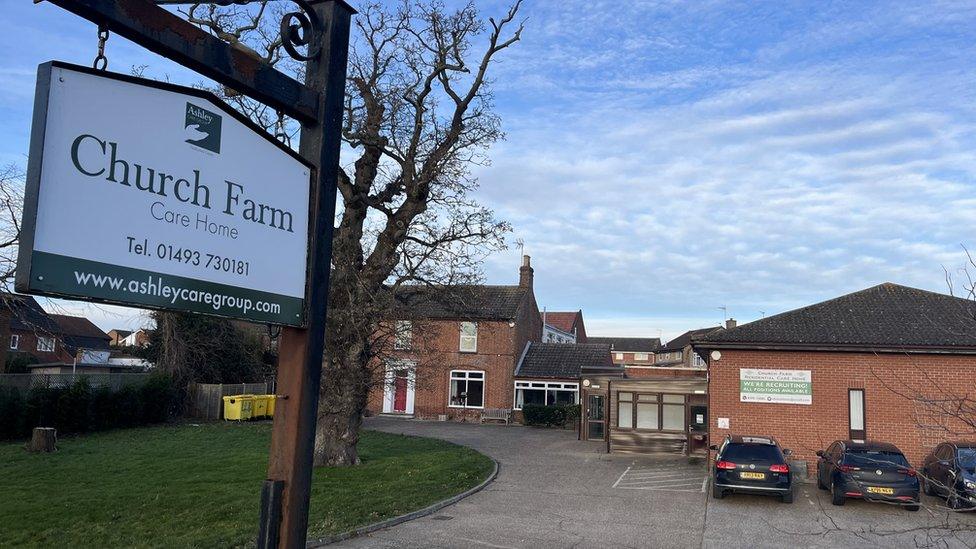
[(44, 439)]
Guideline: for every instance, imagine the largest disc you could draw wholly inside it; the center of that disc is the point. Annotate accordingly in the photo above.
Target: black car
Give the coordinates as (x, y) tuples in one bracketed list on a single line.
[(754, 465), (875, 471), (950, 472)]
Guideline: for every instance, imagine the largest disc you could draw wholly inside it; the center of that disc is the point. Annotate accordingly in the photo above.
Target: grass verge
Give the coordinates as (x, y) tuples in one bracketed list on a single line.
[(199, 486)]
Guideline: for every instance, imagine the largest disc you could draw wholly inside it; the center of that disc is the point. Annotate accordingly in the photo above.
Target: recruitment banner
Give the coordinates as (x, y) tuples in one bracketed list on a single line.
[(775, 386), (149, 194)]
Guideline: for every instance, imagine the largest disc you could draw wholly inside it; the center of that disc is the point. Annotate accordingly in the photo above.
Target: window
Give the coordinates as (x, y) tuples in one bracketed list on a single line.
[(625, 410), (467, 389), (647, 417), (856, 414), (651, 412), (640, 356), (45, 344), (619, 356), (469, 337), (545, 393), (404, 334), (14, 341), (699, 362)]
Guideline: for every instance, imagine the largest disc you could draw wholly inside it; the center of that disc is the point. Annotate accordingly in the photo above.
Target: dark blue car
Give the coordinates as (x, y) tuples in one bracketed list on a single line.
[(874, 471), (950, 472), (753, 465)]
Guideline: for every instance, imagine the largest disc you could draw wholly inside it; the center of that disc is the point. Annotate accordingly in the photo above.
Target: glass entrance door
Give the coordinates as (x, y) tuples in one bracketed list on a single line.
[(596, 421)]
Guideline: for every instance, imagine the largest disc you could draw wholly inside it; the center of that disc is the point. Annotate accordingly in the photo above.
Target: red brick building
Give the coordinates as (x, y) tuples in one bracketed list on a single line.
[(889, 363), (456, 349), (635, 354), (563, 327)]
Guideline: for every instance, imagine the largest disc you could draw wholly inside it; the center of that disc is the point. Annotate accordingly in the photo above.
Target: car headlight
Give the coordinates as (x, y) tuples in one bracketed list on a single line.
[(970, 484)]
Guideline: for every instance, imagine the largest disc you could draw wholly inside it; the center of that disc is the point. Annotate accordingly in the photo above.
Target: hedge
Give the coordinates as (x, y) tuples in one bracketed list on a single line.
[(80, 408), (550, 416)]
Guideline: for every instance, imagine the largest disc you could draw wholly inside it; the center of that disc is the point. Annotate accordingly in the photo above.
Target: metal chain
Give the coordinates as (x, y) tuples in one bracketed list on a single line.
[(101, 62), (280, 133)]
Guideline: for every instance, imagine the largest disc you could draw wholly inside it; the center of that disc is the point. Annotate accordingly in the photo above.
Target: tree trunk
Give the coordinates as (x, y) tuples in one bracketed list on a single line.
[(342, 399), (44, 439)]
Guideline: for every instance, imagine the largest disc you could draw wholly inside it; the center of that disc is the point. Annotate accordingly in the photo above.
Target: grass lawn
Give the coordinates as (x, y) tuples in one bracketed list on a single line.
[(199, 486)]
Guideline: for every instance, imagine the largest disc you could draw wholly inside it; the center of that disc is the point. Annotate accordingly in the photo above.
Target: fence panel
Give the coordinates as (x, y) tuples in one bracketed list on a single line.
[(114, 380), (206, 399)]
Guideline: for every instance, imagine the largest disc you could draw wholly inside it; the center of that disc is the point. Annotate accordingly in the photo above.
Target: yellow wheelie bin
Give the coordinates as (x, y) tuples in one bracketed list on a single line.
[(271, 404), (260, 406), (238, 407)]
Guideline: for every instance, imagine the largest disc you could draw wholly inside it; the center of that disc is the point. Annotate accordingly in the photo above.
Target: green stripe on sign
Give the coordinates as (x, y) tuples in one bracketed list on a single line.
[(60, 275), (776, 387)]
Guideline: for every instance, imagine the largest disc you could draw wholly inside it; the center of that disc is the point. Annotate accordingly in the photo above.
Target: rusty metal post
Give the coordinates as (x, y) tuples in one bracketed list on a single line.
[(301, 350)]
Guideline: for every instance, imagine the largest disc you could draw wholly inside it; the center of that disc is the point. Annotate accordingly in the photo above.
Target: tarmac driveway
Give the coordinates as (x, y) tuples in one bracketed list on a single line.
[(555, 491)]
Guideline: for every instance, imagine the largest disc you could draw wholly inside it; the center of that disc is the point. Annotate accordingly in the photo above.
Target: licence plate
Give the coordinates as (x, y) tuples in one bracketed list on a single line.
[(879, 490), (756, 476)]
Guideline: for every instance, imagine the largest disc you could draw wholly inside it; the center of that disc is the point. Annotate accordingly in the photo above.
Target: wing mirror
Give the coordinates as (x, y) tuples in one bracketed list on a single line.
[(787, 452), (820, 453), (713, 447)]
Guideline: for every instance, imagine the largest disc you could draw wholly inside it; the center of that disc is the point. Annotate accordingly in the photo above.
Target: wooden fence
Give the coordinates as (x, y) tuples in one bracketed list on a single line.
[(114, 380), (206, 400)]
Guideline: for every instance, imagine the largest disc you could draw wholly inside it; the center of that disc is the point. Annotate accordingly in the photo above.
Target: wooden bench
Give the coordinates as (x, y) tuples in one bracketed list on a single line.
[(496, 414)]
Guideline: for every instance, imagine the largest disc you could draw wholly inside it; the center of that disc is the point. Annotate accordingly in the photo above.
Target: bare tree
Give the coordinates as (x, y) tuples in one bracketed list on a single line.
[(419, 114)]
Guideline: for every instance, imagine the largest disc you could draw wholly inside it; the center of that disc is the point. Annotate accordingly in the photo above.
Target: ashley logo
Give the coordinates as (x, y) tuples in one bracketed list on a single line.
[(202, 128)]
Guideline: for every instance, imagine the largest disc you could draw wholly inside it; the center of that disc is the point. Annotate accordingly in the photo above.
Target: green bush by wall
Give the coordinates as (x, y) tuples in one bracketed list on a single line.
[(550, 416), (80, 408)]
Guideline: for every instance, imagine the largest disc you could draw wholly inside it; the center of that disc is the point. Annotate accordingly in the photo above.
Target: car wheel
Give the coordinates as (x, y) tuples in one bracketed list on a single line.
[(912, 507), (788, 497), (836, 496), (820, 482), (717, 492)]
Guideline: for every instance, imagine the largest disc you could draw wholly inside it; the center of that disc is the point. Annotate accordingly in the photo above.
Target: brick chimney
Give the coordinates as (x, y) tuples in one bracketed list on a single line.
[(730, 323), (525, 272)]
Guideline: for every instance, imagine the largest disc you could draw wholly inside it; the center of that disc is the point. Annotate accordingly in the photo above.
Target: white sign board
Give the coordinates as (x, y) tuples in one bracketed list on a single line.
[(775, 386), (148, 194)]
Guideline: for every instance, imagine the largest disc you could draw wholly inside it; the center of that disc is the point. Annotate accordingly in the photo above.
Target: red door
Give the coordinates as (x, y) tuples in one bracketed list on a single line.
[(400, 394)]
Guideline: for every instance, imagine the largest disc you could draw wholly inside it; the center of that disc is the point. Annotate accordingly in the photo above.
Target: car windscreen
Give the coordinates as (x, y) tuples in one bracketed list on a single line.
[(967, 459), (874, 458), (752, 452)]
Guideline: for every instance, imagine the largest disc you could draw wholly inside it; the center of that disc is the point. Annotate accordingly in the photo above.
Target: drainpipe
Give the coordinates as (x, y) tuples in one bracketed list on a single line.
[(607, 414)]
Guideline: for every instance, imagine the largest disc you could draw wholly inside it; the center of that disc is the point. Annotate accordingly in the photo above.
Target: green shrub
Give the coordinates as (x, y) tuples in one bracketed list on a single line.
[(549, 416), (79, 408)]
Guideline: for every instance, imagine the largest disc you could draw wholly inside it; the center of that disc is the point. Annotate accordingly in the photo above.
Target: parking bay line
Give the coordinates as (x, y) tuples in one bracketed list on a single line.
[(670, 485)]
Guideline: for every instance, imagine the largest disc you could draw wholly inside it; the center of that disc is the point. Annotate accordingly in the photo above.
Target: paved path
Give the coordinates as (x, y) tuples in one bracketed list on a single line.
[(552, 491), (555, 491)]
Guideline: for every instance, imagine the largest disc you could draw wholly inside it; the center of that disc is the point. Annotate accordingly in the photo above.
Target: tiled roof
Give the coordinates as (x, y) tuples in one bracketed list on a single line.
[(883, 316), (634, 344), (79, 332), (27, 315), (460, 301), (565, 360), (686, 338), (562, 321)]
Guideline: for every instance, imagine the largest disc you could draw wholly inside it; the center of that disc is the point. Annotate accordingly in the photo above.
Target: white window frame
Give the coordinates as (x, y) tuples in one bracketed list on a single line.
[(465, 375), (545, 386), (402, 335), (640, 356), (45, 344), (619, 356), (14, 341), (470, 339), (698, 361)]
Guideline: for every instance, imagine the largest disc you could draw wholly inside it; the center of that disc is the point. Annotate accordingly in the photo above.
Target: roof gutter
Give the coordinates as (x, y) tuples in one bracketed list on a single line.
[(913, 349)]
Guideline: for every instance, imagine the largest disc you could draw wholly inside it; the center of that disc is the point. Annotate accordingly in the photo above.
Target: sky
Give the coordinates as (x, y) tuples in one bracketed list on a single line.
[(666, 159)]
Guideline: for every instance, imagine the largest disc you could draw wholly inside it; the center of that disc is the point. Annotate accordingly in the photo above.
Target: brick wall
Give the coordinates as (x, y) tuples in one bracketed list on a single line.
[(892, 386), (631, 358), (499, 348)]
